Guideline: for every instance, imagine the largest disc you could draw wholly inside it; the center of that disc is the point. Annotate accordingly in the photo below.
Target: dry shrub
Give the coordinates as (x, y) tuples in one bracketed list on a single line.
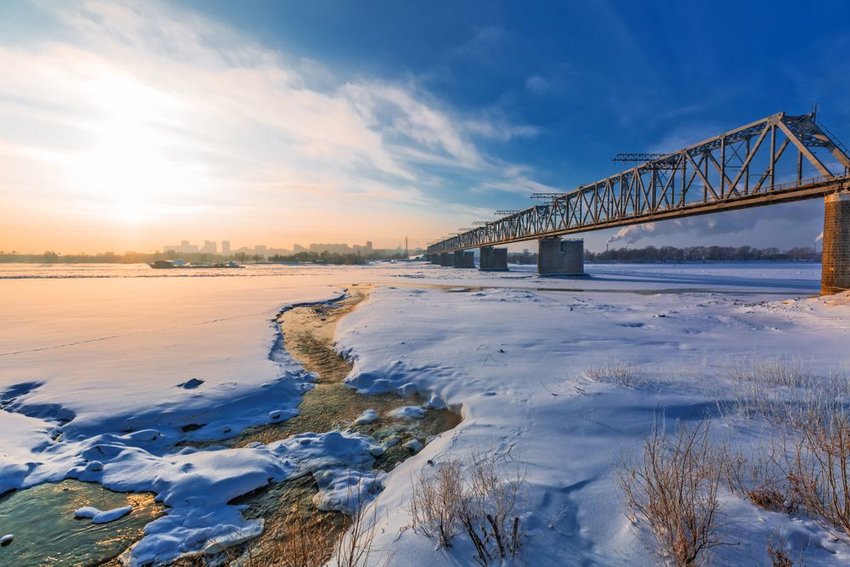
[(673, 488), (479, 501), (819, 471), (616, 372), (488, 508), (435, 503)]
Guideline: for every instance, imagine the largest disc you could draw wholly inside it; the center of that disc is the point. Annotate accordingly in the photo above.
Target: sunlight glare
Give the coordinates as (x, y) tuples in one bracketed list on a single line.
[(127, 174)]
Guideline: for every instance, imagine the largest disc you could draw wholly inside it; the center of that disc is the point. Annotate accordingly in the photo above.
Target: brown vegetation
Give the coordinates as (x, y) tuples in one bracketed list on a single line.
[(673, 488)]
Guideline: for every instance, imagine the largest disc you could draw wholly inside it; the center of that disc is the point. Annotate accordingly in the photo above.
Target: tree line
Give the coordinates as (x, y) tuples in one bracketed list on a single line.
[(672, 254)]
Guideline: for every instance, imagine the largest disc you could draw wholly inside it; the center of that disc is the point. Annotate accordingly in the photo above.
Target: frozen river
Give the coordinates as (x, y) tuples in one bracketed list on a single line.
[(94, 360)]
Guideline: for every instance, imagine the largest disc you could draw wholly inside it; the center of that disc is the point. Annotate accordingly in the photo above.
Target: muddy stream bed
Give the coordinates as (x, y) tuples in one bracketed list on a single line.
[(293, 525)]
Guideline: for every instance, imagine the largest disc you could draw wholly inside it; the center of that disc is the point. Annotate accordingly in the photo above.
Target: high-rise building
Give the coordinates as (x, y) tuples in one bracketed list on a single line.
[(209, 247), (225, 247)]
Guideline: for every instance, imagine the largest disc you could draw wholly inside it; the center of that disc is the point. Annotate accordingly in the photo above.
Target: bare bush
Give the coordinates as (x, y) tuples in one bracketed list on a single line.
[(673, 488), (487, 513), (617, 372), (435, 502), (819, 471), (479, 500)]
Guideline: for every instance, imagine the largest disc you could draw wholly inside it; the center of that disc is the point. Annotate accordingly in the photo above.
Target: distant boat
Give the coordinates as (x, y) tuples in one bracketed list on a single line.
[(181, 264)]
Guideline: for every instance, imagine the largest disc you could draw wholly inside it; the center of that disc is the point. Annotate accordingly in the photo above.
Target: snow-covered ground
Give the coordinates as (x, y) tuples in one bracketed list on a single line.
[(95, 384)]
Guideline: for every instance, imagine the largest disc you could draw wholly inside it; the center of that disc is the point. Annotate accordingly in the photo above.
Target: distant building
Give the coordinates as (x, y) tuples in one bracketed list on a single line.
[(318, 248), (183, 248), (296, 248), (225, 247), (209, 247), (367, 249), (261, 250)]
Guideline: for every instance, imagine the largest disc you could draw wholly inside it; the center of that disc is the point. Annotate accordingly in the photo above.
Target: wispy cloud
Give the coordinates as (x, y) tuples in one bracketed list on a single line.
[(167, 116)]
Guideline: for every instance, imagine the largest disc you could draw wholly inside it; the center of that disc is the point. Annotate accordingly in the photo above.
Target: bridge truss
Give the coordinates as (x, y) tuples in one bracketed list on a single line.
[(777, 159)]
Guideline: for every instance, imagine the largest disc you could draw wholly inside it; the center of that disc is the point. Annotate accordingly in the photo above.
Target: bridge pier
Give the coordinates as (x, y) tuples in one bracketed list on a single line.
[(464, 259), (558, 257), (835, 262), (493, 259), (446, 258)]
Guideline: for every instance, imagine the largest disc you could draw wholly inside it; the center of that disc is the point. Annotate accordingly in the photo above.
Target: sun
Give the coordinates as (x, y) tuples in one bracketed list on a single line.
[(130, 173)]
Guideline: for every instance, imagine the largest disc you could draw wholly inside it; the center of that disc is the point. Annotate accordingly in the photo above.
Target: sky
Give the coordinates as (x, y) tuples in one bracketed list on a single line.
[(130, 125)]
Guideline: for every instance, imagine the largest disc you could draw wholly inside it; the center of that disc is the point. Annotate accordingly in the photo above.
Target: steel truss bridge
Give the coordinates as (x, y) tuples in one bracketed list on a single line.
[(778, 159)]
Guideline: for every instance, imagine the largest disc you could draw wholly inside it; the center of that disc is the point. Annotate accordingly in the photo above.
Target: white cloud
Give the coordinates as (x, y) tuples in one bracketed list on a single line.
[(157, 113)]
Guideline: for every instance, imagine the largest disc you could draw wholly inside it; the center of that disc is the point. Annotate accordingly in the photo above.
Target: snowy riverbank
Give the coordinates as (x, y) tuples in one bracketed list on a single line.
[(90, 373)]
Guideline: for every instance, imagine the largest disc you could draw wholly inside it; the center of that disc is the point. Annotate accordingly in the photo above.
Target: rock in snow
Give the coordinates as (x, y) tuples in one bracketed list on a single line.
[(367, 417), (190, 384), (6, 540), (414, 445)]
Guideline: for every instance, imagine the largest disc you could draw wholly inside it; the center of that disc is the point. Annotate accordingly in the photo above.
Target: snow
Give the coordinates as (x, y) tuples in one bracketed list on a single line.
[(367, 417), (407, 412), (102, 516), (99, 376)]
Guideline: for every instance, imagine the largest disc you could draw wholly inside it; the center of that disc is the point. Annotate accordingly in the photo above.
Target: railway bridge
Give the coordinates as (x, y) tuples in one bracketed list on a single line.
[(778, 159)]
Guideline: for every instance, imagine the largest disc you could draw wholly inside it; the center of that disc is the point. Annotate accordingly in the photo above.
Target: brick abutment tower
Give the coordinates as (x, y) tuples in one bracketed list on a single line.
[(835, 270)]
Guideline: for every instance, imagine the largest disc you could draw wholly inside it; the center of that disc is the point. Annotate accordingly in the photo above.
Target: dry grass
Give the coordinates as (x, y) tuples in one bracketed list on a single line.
[(617, 372), (673, 488), (478, 500), (783, 393), (354, 548), (777, 554), (293, 545), (762, 479)]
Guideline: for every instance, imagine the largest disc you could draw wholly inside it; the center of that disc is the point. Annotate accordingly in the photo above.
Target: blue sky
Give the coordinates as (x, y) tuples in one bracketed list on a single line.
[(380, 119)]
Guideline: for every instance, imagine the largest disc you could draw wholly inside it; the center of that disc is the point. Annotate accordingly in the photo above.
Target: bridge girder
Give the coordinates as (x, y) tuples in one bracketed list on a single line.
[(748, 166)]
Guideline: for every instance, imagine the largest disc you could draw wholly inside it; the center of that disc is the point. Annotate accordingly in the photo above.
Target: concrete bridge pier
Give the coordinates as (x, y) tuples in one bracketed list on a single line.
[(558, 257), (835, 262), (493, 259), (464, 259), (446, 258), (434, 259)]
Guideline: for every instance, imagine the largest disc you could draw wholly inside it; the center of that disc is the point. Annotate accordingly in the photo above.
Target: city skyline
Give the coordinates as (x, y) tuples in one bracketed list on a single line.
[(211, 247)]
